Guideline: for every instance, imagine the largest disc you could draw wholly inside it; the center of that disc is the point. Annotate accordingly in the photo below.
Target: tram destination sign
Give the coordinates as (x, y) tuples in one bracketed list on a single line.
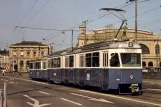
[(130, 50)]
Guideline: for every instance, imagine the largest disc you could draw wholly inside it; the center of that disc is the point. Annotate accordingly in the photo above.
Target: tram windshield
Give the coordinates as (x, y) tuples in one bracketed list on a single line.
[(131, 59)]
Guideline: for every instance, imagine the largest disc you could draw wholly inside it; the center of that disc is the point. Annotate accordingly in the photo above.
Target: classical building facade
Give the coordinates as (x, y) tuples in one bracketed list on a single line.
[(21, 53), (148, 41), (4, 59)]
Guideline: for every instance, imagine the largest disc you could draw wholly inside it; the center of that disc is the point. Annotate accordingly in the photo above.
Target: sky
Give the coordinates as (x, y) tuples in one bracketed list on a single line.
[(67, 15)]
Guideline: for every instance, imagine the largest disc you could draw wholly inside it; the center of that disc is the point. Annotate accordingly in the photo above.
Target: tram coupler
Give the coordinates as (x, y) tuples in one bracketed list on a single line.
[(135, 89)]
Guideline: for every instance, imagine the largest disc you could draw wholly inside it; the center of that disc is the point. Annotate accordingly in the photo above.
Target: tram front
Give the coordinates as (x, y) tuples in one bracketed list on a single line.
[(125, 72)]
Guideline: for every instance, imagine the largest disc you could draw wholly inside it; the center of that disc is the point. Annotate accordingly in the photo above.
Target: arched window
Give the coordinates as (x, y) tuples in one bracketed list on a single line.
[(27, 63), (150, 64), (160, 64), (21, 63), (144, 64), (145, 49)]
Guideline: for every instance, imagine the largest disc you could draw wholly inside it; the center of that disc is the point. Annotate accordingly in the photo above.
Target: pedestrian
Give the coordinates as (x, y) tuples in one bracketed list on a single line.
[(3, 71), (20, 71), (27, 68)]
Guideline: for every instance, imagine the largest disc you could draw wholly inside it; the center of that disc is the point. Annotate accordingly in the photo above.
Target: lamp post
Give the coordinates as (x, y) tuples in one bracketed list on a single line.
[(157, 51), (85, 42), (136, 17), (13, 62)]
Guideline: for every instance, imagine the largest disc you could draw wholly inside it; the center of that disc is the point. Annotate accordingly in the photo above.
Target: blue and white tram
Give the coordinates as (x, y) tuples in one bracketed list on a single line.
[(106, 65)]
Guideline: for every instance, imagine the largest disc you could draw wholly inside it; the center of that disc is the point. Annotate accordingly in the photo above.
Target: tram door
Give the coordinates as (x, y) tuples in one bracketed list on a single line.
[(105, 71)]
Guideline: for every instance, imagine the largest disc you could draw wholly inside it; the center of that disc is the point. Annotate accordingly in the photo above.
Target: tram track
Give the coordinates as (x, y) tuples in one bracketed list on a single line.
[(148, 95)]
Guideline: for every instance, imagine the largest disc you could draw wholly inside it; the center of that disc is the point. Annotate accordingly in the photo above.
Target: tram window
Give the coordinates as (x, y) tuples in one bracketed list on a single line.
[(56, 62), (38, 65), (31, 65), (49, 63), (95, 59), (131, 59), (114, 61), (52, 63), (82, 60), (71, 61), (34, 65), (88, 60), (66, 62)]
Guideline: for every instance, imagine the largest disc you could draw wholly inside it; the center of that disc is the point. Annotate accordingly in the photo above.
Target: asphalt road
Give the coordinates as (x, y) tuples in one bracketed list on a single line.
[(28, 93)]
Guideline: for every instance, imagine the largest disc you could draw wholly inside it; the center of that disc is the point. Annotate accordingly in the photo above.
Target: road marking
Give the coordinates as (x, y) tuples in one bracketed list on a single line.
[(36, 102), (94, 99), (101, 100), (11, 82), (71, 101), (30, 103), (80, 95), (153, 89), (29, 80), (2, 79), (11, 79), (44, 92), (5, 80), (123, 98)]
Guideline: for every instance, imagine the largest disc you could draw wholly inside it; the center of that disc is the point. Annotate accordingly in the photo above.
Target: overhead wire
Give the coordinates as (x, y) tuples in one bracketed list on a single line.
[(34, 14), (141, 13), (103, 15), (154, 21), (26, 15), (28, 11), (92, 20), (37, 12)]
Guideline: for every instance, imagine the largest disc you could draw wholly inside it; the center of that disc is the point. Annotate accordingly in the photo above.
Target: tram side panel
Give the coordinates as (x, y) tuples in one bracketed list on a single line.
[(71, 76), (105, 79), (114, 78), (94, 77), (55, 75), (63, 78), (44, 74), (80, 77)]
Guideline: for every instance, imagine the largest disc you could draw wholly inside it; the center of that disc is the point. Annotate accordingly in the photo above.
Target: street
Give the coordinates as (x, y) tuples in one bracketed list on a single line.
[(29, 93)]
